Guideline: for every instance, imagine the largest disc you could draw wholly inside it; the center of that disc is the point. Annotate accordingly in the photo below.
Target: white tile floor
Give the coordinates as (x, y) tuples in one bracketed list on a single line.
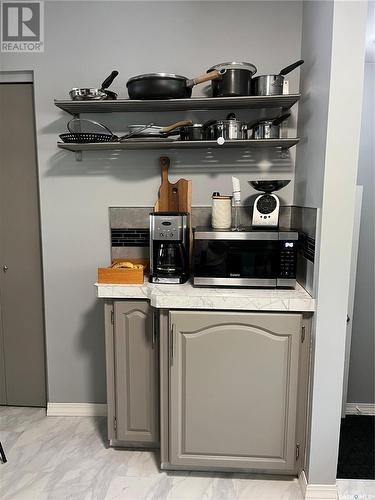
[(65, 458), (355, 489)]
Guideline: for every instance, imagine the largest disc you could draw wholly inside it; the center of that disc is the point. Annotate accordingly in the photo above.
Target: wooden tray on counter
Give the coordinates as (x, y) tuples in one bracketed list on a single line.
[(123, 276)]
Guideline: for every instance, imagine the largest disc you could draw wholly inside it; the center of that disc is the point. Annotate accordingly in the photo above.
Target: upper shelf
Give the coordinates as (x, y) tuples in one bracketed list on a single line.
[(195, 103), (137, 144)]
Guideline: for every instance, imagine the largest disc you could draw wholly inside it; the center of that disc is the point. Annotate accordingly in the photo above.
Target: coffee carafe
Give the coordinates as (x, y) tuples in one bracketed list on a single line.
[(169, 247)]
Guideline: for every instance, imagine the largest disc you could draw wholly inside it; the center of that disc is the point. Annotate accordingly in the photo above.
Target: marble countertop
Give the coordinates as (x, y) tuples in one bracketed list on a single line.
[(186, 296)]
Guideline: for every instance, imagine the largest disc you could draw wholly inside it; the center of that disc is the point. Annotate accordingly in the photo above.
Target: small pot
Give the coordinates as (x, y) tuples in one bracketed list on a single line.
[(272, 84), (234, 80), (229, 129), (268, 129), (193, 132)]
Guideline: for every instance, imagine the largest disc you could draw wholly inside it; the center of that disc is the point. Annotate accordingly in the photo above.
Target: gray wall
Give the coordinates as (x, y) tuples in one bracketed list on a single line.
[(334, 187), (316, 50), (83, 42), (313, 115), (361, 387)]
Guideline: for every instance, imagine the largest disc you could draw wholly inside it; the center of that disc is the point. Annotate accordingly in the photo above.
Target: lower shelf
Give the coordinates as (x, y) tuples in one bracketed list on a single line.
[(152, 144)]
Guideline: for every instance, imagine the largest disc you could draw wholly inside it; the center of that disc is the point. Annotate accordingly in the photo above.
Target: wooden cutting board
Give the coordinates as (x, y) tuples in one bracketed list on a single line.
[(172, 197)]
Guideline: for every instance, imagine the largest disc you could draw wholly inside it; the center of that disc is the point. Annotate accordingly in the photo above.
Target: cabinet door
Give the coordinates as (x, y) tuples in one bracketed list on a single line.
[(233, 397), (136, 372)]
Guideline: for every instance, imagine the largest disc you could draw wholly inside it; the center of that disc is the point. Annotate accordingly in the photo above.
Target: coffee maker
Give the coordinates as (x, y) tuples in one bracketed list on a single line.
[(169, 247)]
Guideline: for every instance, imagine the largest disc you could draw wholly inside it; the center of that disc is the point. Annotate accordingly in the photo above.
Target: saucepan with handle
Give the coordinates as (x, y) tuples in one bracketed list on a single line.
[(267, 129), (235, 79), (227, 130), (192, 132), (272, 84)]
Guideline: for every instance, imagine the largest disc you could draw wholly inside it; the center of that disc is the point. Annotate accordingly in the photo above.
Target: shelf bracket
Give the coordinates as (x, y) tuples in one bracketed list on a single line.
[(284, 153), (78, 153)]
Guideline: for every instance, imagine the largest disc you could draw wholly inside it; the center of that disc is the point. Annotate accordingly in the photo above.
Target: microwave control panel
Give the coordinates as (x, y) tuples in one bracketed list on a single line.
[(288, 259)]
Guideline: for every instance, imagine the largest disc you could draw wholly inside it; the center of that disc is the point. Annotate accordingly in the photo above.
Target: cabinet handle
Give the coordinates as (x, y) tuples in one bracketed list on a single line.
[(154, 327), (172, 342)]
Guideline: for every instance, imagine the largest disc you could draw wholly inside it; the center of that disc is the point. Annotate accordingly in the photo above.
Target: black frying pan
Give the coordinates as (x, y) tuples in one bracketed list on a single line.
[(165, 85)]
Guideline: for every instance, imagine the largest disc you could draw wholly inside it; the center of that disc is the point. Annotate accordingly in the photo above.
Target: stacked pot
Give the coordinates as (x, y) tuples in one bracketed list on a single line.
[(228, 79), (232, 129)]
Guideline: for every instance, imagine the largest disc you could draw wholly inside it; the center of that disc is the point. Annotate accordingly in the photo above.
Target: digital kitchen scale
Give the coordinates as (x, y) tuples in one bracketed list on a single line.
[(267, 205)]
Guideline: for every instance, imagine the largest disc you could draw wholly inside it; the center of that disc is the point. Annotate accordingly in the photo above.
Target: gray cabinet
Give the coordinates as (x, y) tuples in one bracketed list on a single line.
[(132, 373), (233, 391)]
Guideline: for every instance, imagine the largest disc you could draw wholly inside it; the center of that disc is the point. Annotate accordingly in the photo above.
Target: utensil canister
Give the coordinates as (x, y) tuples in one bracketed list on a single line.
[(221, 211)]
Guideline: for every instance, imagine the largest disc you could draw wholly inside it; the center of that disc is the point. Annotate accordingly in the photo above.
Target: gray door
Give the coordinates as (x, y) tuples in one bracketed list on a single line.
[(136, 372), (22, 361), (233, 390)]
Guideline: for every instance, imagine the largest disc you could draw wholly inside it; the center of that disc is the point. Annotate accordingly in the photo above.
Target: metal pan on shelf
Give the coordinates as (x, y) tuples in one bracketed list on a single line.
[(165, 85), (92, 94), (264, 85)]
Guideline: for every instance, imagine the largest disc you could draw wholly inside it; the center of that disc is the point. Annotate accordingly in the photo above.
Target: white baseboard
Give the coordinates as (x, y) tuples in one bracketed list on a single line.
[(317, 491), (360, 409), (76, 410), (302, 483)]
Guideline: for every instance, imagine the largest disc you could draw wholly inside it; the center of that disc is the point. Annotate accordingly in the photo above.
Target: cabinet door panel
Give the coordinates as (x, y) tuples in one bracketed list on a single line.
[(136, 378), (233, 389)]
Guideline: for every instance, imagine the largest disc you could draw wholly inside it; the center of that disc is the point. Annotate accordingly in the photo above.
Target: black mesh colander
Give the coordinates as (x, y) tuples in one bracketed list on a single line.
[(85, 137), (92, 137)]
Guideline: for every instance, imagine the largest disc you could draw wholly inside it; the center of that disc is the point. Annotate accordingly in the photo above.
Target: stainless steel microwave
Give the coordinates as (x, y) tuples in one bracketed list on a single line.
[(249, 258)]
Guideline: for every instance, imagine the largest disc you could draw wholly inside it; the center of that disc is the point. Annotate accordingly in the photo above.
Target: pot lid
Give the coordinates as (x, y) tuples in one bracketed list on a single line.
[(234, 65), (86, 89), (150, 76), (265, 121), (224, 122), (269, 76)]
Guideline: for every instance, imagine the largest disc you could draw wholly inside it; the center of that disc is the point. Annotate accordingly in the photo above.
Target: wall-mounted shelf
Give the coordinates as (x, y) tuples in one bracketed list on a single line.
[(195, 103), (75, 108), (152, 145)]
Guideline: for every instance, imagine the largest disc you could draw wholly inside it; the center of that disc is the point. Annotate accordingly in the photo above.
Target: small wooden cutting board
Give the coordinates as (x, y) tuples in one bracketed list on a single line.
[(172, 197)]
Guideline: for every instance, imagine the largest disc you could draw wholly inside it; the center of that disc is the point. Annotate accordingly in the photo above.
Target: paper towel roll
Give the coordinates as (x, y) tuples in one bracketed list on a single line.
[(221, 212)]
